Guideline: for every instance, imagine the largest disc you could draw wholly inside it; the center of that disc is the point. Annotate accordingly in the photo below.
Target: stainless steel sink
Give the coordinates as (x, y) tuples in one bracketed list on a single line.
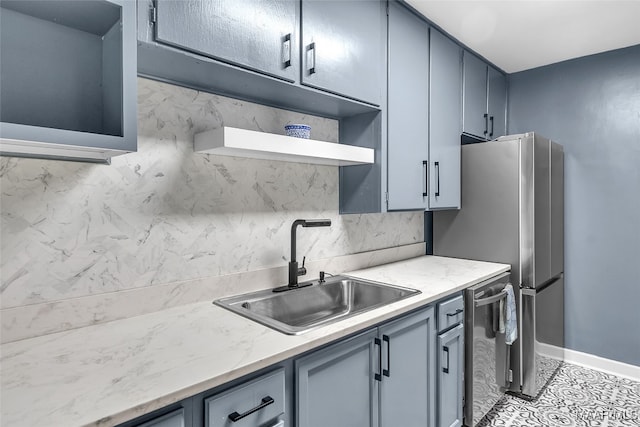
[(300, 310)]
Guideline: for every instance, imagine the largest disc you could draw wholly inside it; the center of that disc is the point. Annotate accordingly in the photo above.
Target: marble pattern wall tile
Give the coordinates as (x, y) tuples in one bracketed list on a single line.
[(166, 214)]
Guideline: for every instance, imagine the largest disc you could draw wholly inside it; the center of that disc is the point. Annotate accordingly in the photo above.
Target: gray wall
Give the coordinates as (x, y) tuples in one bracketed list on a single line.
[(591, 106)]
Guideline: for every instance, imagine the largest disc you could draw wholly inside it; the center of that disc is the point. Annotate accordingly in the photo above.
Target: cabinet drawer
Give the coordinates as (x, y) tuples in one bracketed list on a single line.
[(450, 313), (266, 392), (172, 419)]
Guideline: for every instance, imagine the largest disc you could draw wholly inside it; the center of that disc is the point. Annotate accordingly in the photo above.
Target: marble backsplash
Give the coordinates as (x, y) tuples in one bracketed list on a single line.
[(166, 214)]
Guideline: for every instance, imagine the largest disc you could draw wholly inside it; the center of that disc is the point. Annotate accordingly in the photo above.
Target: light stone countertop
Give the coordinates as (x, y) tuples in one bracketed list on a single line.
[(106, 374)]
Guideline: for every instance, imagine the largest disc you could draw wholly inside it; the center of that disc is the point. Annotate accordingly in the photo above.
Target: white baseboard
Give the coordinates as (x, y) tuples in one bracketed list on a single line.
[(591, 361)]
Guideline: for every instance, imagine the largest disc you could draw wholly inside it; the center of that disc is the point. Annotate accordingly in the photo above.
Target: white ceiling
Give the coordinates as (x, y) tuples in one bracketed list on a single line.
[(518, 35)]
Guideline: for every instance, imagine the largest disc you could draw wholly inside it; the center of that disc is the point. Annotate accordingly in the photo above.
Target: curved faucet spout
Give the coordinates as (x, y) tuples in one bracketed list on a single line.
[(294, 271)]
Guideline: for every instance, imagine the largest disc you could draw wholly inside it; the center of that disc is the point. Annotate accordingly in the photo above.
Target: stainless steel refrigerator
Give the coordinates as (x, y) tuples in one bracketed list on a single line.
[(513, 212)]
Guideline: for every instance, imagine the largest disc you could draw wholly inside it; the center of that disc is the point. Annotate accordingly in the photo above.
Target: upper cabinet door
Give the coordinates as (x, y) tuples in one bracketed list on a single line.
[(497, 103), (343, 48), (475, 117), (257, 34), (444, 117), (408, 110)]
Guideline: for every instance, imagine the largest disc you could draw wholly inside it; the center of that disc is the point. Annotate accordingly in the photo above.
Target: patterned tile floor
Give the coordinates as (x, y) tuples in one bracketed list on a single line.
[(576, 396)]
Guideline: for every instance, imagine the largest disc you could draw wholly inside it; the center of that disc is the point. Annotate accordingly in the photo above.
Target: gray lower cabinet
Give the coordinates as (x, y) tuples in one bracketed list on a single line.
[(260, 402), (384, 377), (450, 377), (336, 386), (172, 419), (68, 79), (256, 34), (343, 47), (485, 99), (445, 94), (407, 392), (450, 369)]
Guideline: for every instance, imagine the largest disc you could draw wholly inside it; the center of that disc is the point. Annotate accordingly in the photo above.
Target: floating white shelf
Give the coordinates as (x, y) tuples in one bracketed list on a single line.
[(228, 141)]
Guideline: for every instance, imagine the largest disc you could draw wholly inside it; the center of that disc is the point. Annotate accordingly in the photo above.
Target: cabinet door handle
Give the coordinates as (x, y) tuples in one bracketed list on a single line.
[(425, 166), (486, 123), (446, 350), (286, 51), (377, 375), (437, 166), (266, 401), (312, 49), (491, 120), (387, 372), (458, 311)]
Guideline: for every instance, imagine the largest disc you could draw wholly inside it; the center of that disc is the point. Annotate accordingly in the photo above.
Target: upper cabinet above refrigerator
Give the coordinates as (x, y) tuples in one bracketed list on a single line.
[(485, 99)]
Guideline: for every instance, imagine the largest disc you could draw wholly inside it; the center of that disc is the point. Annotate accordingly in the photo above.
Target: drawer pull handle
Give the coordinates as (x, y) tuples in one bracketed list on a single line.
[(266, 401), (458, 311)]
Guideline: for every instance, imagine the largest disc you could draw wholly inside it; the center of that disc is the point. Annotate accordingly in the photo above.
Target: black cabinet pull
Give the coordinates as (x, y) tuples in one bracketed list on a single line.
[(458, 311), (486, 123), (425, 165), (266, 401), (446, 370), (491, 119), (286, 51), (377, 375), (387, 372), (437, 166)]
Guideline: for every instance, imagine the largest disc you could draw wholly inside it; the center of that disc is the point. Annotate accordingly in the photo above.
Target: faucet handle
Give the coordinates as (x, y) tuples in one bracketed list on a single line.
[(302, 271)]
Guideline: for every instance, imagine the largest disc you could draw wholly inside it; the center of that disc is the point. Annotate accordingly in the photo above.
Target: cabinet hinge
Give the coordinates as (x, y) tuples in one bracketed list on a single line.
[(153, 15), (386, 197), (510, 376)]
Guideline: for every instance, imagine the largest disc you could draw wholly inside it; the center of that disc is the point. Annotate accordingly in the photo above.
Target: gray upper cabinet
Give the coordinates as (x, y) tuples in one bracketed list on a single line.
[(475, 117), (256, 34), (343, 48), (336, 385), (485, 99), (68, 79), (408, 110), (407, 393), (497, 103), (445, 110)]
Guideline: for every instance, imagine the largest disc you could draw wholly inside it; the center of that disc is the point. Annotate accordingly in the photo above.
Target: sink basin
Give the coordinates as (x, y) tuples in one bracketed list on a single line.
[(299, 310)]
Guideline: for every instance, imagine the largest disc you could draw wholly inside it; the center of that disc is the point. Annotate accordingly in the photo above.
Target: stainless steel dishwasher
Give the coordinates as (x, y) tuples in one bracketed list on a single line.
[(486, 354)]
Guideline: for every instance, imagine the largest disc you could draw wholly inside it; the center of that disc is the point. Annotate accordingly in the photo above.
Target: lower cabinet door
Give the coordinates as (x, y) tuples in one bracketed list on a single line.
[(450, 377), (336, 386), (408, 371)]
